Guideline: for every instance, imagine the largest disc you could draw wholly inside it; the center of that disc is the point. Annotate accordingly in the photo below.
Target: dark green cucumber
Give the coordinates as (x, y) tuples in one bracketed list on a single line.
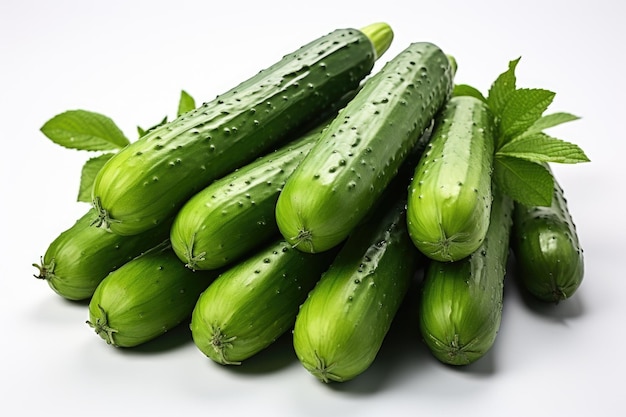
[(362, 149), (235, 214), (149, 180), (341, 326), (253, 303), (548, 255), (145, 298), (450, 196), (461, 301), (82, 256)]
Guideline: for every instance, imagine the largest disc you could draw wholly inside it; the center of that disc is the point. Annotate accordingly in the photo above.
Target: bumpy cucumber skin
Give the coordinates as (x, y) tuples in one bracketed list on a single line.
[(450, 195), (145, 298), (341, 326), (461, 302), (81, 256), (548, 256), (253, 303), (235, 214), (148, 181), (363, 148)]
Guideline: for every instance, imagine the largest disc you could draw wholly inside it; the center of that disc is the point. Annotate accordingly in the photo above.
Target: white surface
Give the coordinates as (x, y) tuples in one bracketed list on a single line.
[(130, 59)]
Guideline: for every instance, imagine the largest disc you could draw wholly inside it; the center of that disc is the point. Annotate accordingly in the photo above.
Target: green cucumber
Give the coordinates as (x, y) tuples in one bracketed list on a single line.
[(548, 256), (148, 181), (461, 301), (80, 257), (341, 326), (450, 195), (253, 303), (361, 151), (145, 298), (235, 214)]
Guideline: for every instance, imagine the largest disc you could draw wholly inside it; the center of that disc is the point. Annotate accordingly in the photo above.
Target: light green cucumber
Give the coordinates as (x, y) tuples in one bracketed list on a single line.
[(254, 302), (342, 324), (148, 181), (145, 298), (450, 196), (461, 302), (361, 151), (80, 257)]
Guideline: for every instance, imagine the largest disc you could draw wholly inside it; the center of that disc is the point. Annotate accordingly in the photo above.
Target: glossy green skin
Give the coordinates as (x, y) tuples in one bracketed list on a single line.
[(235, 214), (363, 148), (149, 180), (342, 324), (548, 256), (450, 195), (145, 298), (461, 302), (253, 303), (82, 256)]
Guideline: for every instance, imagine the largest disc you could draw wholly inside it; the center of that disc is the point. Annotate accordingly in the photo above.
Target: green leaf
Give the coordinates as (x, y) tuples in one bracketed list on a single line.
[(84, 130), (186, 103), (540, 147), (468, 90), (526, 182), (502, 87), (550, 120), (523, 108), (88, 175), (142, 131)]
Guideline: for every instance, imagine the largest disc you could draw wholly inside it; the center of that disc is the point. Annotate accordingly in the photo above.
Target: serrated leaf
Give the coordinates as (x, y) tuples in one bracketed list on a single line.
[(550, 120), (523, 108), (502, 87), (84, 130), (185, 103), (540, 147), (468, 90), (526, 182), (142, 131), (88, 175)]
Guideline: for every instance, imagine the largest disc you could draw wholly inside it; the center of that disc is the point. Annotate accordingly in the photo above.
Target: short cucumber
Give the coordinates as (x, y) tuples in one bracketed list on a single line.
[(235, 214), (148, 181), (362, 149), (461, 302), (548, 256), (450, 196), (145, 298), (254, 302), (342, 324), (81, 256)]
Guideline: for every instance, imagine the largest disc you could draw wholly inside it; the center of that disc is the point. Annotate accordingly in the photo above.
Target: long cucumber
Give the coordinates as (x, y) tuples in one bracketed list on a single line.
[(461, 301), (450, 196), (362, 149), (80, 257), (342, 325), (254, 302), (235, 214), (149, 180), (548, 256)]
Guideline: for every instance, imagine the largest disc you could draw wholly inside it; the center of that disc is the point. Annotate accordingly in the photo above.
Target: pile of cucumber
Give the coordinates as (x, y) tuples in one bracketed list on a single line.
[(307, 199)]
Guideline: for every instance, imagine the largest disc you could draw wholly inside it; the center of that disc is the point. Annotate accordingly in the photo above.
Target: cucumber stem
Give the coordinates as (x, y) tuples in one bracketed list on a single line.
[(381, 36), (46, 271), (103, 220), (101, 326), (220, 343)]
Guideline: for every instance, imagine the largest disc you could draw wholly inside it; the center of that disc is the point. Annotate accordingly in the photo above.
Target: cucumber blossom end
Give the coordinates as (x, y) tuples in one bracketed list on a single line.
[(381, 35)]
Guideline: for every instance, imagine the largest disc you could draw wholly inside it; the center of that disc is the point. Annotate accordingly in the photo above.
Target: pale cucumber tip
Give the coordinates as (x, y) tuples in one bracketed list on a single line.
[(381, 36), (453, 63)]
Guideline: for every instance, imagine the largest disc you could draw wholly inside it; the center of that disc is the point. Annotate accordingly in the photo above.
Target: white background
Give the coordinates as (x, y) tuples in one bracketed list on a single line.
[(130, 59)]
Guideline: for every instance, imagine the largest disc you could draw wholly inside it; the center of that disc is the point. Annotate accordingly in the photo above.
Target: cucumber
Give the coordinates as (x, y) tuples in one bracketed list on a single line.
[(145, 298), (253, 303), (80, 257), (549, 259), (450, 195), (461, 302), (235, 214), (148, 181), (342, 324), (361, 151)]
